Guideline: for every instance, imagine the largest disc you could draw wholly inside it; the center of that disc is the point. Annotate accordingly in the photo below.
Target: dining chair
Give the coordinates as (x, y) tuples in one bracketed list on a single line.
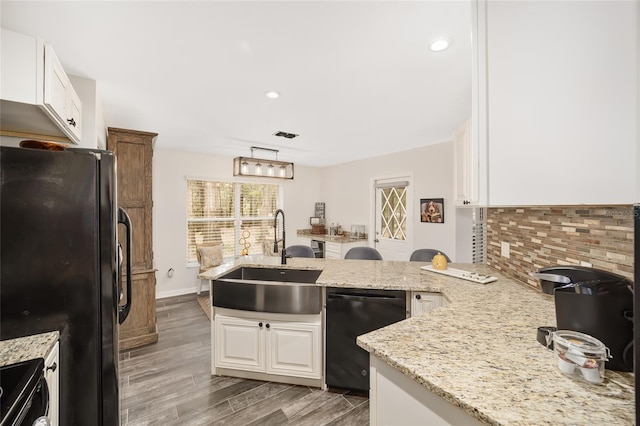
[(299, 250), (367, 253), (426, 255)]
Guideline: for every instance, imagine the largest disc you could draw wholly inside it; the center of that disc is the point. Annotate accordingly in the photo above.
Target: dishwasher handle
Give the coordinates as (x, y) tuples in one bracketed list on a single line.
[(360, 296)]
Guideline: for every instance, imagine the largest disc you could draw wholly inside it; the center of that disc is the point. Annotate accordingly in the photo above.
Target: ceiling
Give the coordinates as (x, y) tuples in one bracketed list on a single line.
[(356, 78)]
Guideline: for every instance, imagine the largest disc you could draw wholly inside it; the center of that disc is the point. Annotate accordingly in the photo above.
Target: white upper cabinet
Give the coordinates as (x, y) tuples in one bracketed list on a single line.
[(59, 96), (559, 97), (466, 172), (37, 98)]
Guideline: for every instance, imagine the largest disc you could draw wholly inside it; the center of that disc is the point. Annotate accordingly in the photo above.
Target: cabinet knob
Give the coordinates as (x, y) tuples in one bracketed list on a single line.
[(260, 324), (71, 122), (268, 325), (418, 297), (52, 367)]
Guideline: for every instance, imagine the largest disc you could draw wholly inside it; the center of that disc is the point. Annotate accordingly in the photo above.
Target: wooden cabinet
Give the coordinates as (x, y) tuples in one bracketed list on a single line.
[(263, 345), (52, 376), (423, 302), (134, 150), (38, 100)]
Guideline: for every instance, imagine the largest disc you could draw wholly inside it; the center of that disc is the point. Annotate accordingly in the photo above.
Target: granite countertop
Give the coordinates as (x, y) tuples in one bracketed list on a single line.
[(480, 351), (26, 348)]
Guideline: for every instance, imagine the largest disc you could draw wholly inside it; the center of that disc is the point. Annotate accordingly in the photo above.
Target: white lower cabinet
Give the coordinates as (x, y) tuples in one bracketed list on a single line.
[(396, 399), (265, 345), (51, 375), (239, 343), (293, 349), (423, 302)]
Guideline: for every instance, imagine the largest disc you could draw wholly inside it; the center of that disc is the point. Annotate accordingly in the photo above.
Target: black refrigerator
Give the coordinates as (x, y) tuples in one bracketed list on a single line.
[(61, 269), (636, 306)]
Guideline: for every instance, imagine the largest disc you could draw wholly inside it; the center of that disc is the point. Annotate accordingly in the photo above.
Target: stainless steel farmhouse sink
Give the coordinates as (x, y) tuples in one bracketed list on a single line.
[(288, 291)]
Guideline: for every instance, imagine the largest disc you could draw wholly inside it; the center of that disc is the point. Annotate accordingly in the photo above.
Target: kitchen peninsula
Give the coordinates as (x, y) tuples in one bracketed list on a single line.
[(479, 352)]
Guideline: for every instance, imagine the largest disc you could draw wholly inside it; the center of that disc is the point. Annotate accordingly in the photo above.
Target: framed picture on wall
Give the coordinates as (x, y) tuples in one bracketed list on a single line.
[(432, 210)]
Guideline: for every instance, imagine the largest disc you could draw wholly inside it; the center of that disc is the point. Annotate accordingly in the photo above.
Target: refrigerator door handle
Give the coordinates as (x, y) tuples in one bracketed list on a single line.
[(120, 258), (123, 310)]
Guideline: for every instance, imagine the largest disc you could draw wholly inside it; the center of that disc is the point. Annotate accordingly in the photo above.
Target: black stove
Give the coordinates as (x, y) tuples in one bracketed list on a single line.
[(23, 393)]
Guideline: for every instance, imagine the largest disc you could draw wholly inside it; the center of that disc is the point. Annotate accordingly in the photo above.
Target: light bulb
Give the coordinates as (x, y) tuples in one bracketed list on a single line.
[(258, 169), (245, 168), (270, 170), (283, 171)]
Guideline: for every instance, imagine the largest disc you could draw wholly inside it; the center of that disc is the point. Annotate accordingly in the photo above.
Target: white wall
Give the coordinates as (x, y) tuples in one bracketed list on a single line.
[(345, 188), (347, 191), (170, 169), (94, 131)]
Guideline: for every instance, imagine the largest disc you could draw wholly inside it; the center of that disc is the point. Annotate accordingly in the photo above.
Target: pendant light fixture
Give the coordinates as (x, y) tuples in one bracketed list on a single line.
[(251, 166)]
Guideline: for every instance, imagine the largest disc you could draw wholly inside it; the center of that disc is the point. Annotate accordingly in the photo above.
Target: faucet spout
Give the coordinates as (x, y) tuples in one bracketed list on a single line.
[(283, 257)]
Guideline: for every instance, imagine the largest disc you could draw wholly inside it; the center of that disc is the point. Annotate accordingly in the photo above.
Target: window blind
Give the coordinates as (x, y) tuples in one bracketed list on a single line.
[(228, 212)]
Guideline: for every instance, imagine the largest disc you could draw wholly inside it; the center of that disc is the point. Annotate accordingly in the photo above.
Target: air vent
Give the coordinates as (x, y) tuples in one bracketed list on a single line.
[(285, 135)]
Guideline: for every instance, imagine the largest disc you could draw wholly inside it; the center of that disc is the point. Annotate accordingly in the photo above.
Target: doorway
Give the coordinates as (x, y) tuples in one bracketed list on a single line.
[(393, 218)]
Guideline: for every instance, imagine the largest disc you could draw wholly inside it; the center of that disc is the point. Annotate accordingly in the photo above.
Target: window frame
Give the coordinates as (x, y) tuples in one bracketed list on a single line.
[(236, 219)]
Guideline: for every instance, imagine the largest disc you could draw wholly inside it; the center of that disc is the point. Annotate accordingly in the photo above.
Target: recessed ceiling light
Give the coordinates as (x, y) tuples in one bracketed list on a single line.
[(440, 44), (272, 94)]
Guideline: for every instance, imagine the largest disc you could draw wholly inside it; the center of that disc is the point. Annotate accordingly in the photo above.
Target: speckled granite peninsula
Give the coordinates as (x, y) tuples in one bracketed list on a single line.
[(480, 351), (26, 348)]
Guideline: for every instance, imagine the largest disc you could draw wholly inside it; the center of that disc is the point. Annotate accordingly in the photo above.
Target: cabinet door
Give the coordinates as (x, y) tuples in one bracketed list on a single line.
[(74, 112), (51, 375), (293, 349), (134, 151), (239, 344), (140, 327), (56, 83), (562, 125), (422, 302), (462, 165), (332, 250)]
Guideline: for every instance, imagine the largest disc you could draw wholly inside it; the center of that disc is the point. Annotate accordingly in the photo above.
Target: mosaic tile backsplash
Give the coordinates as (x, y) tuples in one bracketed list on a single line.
[(539, 237)]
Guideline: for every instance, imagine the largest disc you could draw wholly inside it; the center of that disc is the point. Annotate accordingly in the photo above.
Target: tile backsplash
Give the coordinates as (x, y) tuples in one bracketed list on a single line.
[(539, 237)]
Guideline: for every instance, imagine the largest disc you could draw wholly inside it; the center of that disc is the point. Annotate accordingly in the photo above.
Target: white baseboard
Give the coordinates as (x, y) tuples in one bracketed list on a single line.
[(178, 292)]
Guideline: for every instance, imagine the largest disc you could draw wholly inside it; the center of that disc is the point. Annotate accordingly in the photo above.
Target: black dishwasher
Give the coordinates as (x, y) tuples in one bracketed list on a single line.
[(351, 313)]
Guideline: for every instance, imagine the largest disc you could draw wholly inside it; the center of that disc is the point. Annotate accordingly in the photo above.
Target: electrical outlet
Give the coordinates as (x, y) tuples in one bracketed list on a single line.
[(504, 249)]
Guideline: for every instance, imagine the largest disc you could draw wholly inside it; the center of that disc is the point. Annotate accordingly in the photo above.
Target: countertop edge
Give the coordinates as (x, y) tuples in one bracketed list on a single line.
[(447, 396), (26, 348)]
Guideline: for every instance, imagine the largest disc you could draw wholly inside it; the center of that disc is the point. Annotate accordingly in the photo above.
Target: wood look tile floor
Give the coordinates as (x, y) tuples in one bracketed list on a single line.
[(170, 383)]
